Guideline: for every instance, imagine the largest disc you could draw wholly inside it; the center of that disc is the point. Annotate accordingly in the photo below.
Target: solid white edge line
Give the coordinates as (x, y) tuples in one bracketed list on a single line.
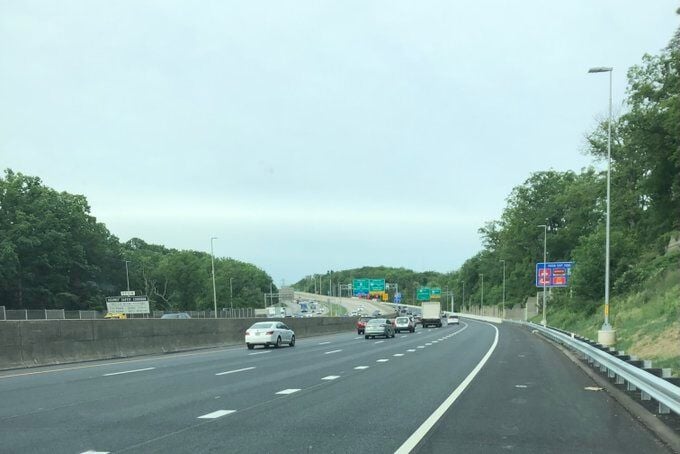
[(128, 371), (425, 427), (217, 414), (235, 370)]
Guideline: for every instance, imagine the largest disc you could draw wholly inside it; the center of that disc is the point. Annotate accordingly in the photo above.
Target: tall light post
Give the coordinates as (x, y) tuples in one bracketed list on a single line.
[(231, 293), (481, 301), (127, 274), (545, 268), (503, 288), (606, 336), (212, 259)]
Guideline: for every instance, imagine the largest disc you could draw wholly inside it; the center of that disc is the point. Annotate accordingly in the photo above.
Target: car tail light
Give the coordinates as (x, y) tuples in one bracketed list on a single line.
[(269, 333)]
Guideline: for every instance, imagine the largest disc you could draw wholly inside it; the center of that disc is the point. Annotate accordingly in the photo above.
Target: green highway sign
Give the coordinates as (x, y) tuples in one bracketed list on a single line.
[(436, 293), (424, 294), (360, 287), (376, 285)]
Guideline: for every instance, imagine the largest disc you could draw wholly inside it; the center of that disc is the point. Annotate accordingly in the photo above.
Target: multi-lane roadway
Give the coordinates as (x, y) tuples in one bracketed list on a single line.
[(472, 388)]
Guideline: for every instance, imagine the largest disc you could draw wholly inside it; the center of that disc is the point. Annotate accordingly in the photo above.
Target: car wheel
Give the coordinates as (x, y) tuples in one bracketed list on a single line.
[(278, 342), (250, 346), (292, 341), (365, 337)]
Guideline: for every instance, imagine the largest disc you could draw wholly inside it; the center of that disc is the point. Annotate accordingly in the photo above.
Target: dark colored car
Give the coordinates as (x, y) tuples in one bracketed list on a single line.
[(180, 315), (379, 327), (361, 324)]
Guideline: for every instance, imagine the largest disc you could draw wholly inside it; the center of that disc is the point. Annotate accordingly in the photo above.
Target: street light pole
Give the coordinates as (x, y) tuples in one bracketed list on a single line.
[(231, 293), (545, 268), (608, 338), (481, 301), (503, 288), (212, 259), (127, 274)]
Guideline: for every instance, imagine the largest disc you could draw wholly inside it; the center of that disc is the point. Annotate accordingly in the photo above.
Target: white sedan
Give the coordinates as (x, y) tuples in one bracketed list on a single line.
[(269, 333)]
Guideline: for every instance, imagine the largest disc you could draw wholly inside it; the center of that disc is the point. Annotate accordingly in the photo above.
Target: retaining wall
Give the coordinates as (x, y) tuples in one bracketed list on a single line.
[(47, 342)]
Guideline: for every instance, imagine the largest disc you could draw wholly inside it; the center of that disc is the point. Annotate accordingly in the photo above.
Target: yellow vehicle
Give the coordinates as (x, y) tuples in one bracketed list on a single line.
[(114, 316)]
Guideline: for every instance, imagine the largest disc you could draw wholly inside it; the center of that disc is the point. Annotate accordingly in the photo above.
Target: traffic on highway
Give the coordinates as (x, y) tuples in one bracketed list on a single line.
[(232, 399)]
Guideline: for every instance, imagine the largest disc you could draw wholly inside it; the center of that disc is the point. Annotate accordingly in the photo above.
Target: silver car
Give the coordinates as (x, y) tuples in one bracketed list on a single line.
[(378, 327), (269, 333)]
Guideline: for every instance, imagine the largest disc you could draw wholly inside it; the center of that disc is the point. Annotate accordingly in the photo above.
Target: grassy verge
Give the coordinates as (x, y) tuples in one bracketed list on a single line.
[(647, 321)]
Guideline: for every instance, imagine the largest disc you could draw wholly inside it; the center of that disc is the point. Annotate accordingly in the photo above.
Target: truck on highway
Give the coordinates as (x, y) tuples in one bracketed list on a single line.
[(431, 314)]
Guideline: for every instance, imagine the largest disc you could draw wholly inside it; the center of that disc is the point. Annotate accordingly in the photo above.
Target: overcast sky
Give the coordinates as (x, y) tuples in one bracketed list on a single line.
[(310, 135)]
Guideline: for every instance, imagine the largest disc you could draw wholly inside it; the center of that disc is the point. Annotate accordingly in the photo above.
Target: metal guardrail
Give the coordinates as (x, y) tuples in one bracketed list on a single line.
[(664, 392)]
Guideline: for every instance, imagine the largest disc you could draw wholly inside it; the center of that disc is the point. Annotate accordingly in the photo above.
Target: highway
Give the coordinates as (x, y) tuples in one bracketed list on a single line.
[(472, 388)]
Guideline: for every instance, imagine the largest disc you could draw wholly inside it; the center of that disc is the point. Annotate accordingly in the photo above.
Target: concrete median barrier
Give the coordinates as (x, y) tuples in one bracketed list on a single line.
[(48, 342)]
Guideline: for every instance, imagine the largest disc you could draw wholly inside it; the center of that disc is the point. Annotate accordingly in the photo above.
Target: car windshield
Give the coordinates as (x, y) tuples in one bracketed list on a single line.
[(402, 320), (376, 321)]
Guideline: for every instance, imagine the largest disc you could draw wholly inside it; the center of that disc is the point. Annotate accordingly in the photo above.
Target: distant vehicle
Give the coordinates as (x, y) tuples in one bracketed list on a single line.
[(453, 320), (361, 324), (115, 316), (378, 327), (179, 315), (432, 314), (404, 324), (269, 333), (304, 308)]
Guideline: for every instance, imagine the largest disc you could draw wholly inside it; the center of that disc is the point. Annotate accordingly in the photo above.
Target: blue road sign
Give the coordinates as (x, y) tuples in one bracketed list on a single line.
[(397, 298), (553, 274)]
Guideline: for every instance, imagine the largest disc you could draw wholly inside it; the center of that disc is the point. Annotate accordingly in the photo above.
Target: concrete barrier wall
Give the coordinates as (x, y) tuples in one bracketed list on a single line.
[(47, 342)]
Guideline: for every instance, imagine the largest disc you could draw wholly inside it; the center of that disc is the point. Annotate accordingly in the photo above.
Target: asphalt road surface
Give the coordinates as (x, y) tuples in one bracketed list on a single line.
[(470, 388)]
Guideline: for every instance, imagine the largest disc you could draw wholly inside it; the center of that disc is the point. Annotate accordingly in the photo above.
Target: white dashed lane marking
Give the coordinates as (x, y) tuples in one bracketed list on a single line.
[(420, 346), (361, 367), (288, 391), (217, 414), (332, 351), (128, 371), (259, 353), (324, 343), (382, 360), (411, 350), (235, 371), (380, 342), (331, 377), (398, 354)]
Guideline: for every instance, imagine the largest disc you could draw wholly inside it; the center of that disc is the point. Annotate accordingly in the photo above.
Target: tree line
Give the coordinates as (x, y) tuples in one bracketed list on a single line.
[(55, 255), (645, 209)]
